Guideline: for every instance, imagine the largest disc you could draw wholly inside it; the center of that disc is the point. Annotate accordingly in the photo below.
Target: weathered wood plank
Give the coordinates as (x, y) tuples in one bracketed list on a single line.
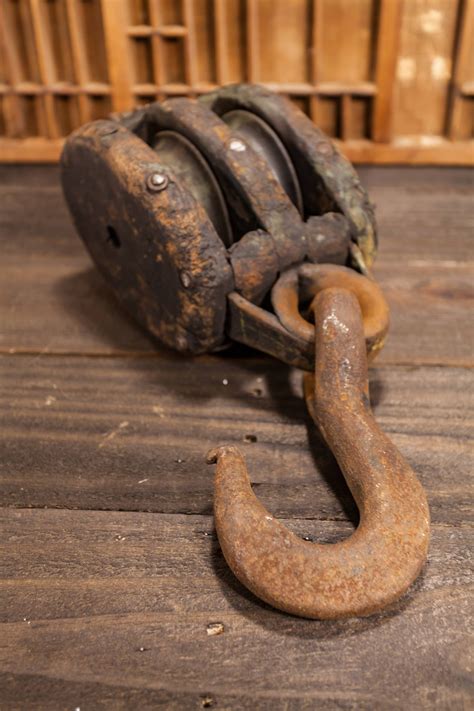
[(111, 433), (83, 591), (114, 608), (52, 300), (67, 562), (423, 214), (431, 307)]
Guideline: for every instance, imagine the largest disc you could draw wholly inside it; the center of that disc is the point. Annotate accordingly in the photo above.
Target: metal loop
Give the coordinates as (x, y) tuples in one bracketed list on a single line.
[(300, 285)]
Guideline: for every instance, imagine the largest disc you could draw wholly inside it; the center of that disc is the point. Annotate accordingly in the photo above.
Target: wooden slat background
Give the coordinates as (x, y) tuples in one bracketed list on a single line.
[(392, 80)]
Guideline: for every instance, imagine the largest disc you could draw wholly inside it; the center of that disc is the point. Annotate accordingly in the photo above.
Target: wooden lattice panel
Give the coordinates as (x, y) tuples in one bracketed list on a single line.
[(54, 69), (393, 80)]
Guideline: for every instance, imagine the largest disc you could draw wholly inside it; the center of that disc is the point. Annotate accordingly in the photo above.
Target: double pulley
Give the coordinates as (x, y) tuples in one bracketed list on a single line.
[(185, 203), (180, 157)]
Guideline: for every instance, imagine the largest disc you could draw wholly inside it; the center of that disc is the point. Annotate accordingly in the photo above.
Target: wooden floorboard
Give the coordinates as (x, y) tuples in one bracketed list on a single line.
[(127, 600), (113, 585), (101, 433)]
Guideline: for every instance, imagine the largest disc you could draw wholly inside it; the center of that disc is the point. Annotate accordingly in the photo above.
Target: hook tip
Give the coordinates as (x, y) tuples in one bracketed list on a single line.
[(216, 453), (211, 456)]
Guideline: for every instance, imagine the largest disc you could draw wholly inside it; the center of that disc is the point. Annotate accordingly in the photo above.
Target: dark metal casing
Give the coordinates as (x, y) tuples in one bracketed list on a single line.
[(158, 247)]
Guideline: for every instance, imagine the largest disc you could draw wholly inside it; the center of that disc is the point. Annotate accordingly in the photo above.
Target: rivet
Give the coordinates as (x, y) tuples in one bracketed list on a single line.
[(157, 182), (325, 148), (185, 279), (237, 145)]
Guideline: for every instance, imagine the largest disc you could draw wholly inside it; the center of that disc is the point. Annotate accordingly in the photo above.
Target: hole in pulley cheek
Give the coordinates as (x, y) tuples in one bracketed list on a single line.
[(112, 237)]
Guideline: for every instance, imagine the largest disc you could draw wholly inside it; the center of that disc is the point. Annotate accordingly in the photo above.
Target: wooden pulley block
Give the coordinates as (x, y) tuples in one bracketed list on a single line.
[(184, 203)]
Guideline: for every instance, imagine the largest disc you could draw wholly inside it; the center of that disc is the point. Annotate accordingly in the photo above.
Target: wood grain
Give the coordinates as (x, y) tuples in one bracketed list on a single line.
[(460, 108), (413, 58), (113, 584), (349, 59), (388, 38), (115, 608), (424, 68), (115, 16), (94, 433)]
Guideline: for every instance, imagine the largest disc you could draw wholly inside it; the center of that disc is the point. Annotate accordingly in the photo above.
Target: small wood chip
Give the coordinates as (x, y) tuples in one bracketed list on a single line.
[(215, 628)]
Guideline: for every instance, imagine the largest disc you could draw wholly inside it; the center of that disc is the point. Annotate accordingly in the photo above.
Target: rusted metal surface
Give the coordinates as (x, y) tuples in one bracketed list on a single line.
[(299, 285), (261, 137), (328, 181), (255, 263), (261, 329), (158, 249), (372, 568), (254, 196), (194, 173), (284, 176), (178, 209), (287, 335)]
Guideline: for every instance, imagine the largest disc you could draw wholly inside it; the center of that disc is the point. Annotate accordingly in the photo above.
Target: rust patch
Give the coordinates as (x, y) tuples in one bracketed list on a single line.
[(300, 284), (328, 181)]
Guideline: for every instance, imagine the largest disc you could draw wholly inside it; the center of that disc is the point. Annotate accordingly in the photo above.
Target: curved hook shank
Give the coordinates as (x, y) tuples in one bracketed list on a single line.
[(374, 566)]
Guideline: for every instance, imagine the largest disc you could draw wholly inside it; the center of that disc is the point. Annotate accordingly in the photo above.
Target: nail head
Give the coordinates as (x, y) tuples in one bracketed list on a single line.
[(157, 182)]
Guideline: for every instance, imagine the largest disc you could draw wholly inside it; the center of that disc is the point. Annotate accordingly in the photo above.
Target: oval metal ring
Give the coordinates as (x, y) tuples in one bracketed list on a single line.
[(301, 284)]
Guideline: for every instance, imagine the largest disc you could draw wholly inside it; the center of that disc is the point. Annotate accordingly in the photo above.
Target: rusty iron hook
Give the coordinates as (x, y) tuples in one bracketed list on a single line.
[(377, 563)]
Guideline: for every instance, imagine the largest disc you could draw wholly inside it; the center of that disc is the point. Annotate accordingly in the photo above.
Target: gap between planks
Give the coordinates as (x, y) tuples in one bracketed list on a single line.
[(343, 523), (209, 358)]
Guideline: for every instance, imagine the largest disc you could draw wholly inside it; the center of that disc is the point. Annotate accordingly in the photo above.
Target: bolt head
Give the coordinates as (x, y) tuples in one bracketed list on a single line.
[(237, 145), (325, 148), (157, 182)]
